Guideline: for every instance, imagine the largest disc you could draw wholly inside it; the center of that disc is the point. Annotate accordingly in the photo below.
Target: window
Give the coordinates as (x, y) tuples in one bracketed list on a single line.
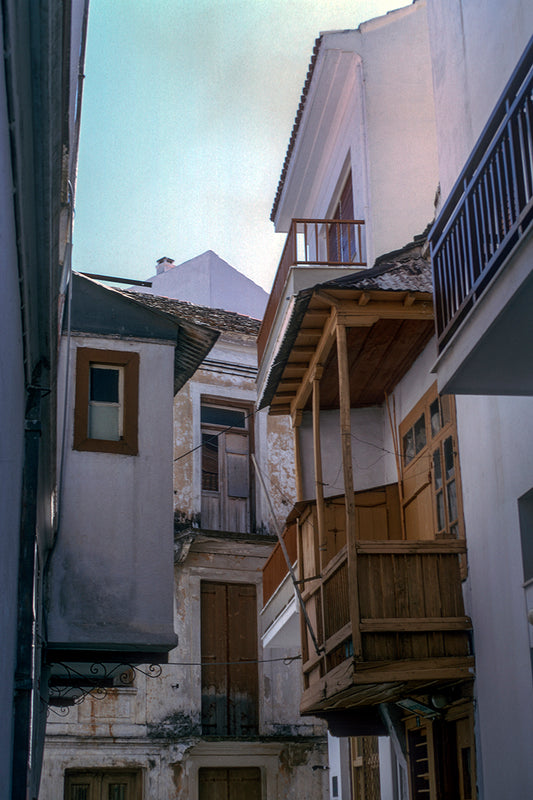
[(431, 490), (342, 239), (226, 473), (103, 785), (107, 401), (229, 659), (233, 783)]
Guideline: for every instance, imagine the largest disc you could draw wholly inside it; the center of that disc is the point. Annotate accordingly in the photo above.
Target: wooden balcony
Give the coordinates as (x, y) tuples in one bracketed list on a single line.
[(387, 612), (276, 569), (490, 210), (313, 242)]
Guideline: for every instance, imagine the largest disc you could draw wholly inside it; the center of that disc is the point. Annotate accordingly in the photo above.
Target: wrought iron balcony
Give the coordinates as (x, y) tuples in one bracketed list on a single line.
[(490, 209), (313, 242)]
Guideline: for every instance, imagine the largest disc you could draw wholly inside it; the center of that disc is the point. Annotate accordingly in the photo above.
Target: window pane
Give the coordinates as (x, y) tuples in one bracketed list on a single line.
[(452, 501), (437, 470), (408, 446), (104, 383), (441, 521), (226, 417), (434, 413), (449, 465), (117, 791), (79, 792), (104, 422), (420, 434), (210, 462)]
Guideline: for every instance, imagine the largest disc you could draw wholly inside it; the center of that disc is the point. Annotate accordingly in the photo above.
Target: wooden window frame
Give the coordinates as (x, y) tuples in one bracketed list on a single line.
[(99, 779), (433, 442), (128, 442)]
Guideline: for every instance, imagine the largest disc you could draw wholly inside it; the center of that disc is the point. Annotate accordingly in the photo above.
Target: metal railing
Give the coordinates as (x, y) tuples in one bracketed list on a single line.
[(490, 208), (313, 242)]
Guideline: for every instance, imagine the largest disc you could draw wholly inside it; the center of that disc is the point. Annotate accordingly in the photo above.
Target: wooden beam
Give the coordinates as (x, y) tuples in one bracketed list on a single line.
[(319, 478), (346, 450), (296, 422), (320, 355), (416, 625), (364, 299)]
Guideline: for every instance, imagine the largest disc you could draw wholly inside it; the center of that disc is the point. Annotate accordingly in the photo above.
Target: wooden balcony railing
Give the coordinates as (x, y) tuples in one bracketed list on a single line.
[(490, 208), (410, 629), (275, 569), (313, 242)]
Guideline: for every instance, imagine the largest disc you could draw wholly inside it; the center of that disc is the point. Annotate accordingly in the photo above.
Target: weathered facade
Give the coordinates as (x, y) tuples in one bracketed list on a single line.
[(224, 711)]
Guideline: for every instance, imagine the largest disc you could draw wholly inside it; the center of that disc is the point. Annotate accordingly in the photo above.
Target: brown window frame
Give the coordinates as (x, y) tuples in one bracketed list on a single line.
[(435, 442), (128, 442), (98, 781)]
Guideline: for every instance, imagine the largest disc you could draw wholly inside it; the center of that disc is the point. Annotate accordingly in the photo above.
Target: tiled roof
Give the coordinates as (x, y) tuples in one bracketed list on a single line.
[(405, 270), (217, 318), (296, 126)]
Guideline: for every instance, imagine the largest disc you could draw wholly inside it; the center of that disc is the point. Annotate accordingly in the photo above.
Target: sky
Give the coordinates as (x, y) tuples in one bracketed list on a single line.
[(188, 107)]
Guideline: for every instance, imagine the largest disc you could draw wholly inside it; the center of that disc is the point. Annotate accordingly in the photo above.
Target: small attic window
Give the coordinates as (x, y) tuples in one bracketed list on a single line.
[(107, 401)]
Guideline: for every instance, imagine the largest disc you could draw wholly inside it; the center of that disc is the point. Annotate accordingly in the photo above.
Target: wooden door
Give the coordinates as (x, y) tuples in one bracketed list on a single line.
[(233, 783), (225, 469), (342, 243), (229, 659), (103, 785)]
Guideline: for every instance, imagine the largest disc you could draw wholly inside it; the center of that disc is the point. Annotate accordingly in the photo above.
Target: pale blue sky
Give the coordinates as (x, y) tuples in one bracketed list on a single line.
[(187, 112)]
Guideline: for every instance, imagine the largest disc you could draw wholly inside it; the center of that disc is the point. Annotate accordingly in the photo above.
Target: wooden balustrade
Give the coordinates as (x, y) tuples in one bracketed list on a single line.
[(275, 569), (313, 242)]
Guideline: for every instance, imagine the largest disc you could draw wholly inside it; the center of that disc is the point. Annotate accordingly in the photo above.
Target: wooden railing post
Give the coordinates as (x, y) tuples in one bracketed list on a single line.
[(319, 478), (346, 445), (296, 422)]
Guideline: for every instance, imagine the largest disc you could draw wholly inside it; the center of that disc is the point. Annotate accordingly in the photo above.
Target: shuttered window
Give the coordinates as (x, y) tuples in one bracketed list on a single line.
[(103, 785), (229, 659)]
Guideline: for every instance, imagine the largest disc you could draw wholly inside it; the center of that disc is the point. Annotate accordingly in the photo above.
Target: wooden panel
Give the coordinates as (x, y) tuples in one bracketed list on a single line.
[(233, 783), (276, 568), (228, 638)]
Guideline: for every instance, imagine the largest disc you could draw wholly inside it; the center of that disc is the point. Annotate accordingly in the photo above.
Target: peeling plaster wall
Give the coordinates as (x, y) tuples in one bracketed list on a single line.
[(229, 374), (155, 724)]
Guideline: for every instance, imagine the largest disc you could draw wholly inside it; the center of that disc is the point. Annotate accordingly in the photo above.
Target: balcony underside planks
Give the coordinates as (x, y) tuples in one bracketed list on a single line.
[(352, 685)]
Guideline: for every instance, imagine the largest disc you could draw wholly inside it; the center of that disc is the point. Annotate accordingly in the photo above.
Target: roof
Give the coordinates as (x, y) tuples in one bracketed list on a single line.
[(403, 271), (296, 126), (102, 310), (217, 318)]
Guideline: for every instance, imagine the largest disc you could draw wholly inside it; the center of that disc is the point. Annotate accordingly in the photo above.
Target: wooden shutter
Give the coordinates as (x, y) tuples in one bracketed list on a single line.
[(229, 638), (234, 783)]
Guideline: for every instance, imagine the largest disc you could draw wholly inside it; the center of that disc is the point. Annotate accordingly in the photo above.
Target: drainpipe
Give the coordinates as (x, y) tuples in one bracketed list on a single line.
[(24, 671)]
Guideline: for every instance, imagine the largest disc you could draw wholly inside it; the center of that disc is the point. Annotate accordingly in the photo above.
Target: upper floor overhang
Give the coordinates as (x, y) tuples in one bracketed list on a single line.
[(482, 254), (387, 313)]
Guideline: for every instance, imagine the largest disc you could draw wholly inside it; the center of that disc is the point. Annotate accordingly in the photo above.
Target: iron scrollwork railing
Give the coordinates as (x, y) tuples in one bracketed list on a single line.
[(490, 208), (68, 686)]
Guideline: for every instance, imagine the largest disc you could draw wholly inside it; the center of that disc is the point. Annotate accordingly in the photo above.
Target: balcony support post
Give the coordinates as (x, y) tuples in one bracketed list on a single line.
[(296, 422), (319, 478), (346, 445)]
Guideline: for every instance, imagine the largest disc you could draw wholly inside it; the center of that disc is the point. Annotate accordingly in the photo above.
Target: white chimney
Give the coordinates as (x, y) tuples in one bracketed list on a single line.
[(164, 264)]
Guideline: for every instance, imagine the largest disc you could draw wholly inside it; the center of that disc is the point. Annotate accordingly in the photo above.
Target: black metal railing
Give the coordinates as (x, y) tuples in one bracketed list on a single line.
[(490, 208)]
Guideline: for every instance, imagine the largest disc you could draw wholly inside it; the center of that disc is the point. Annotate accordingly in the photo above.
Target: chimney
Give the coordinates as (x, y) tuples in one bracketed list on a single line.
[(164, 264)]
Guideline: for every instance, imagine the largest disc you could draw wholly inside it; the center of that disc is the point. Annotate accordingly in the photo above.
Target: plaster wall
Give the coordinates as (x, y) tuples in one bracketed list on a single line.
[(378, 121), (224, 378), (111, 573), (156, 725), (495, 436), (12, 403), (208, 280), (372, 451), (475, 45)]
